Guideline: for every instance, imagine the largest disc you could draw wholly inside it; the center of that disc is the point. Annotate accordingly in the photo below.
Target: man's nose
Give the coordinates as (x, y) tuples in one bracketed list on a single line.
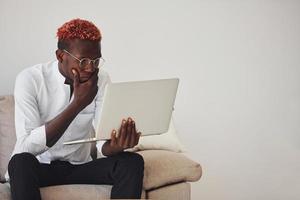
[(90, 67)]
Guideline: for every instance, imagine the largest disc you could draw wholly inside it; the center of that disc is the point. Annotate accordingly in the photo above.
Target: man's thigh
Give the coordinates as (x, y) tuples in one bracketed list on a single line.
[(54, 173), (61, 172), (99, 171)]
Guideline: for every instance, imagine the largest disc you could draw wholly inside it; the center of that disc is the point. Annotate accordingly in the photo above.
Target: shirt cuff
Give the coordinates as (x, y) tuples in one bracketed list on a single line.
[(38, 140), (99, 148)]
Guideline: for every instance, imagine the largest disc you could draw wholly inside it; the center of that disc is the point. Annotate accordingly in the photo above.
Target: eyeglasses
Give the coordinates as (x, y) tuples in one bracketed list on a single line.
[(85, 62)]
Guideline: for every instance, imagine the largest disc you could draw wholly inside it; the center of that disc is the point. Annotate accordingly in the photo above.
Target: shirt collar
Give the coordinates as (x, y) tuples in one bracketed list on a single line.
[(61, 79)]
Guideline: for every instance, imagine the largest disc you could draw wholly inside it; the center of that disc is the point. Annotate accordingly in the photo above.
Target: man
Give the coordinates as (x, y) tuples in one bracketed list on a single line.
[(59, 101)]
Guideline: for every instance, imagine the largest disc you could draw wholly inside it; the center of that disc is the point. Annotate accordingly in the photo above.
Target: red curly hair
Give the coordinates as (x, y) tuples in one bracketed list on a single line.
[(78, 29)]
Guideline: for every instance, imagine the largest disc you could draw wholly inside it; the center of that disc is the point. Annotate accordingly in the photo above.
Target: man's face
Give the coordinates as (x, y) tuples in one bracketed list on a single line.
[(80, 49)]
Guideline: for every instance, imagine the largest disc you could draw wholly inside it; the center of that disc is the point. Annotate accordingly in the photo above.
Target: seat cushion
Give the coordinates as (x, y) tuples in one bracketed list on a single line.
[(5, 192), (166, 167), (78, 192), (175, 191), (67, 192), (7, 132)]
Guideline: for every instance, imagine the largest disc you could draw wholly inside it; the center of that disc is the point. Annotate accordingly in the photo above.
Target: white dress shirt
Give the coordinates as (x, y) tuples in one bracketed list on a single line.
[(40, 95)]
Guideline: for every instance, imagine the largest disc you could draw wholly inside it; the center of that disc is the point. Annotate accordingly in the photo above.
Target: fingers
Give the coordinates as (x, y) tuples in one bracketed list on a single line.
[(133, 135), (122, 132), (137, 138), (95, 90), (93, 82), (75, 77), (128, 136), (94, 77), (128, 133), (113, 138)]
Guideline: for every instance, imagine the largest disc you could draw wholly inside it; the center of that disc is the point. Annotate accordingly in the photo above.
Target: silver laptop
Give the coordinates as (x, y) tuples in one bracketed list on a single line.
[(150, 103)]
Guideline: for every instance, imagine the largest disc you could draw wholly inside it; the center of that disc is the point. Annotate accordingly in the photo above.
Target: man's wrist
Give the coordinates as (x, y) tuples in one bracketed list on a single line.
[(76, 106), (108, 150)]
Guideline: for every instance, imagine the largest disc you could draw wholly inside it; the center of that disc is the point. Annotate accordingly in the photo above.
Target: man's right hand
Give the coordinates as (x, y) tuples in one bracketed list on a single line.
[(84, 93)]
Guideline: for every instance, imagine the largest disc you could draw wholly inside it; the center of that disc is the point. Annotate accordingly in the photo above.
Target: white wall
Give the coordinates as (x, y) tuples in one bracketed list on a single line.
[(238, 105)]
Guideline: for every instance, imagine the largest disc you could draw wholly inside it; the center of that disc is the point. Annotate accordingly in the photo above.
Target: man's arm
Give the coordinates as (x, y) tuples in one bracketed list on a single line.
[(57, 126), (34, 135), (84, 94), (30, 130)]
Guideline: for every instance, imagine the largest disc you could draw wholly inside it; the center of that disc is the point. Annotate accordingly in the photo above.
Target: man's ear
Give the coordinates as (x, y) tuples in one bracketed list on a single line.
[(59, 55)]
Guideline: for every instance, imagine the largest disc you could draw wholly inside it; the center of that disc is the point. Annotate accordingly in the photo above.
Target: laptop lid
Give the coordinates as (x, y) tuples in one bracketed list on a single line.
[(149, 103)]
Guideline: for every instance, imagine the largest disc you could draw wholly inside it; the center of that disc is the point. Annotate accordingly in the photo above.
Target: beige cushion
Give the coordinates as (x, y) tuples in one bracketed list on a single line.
[(67, 192), (166, 167), (78, 192), (176, 191), (7, 132), (5, 191), (165, 141), (82, 192)]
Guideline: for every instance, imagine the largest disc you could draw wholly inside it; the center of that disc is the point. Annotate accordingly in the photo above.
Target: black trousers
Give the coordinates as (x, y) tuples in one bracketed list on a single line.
[(124, 171)]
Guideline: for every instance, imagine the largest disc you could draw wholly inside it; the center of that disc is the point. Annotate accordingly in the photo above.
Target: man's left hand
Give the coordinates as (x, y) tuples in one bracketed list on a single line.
[(126, 137)]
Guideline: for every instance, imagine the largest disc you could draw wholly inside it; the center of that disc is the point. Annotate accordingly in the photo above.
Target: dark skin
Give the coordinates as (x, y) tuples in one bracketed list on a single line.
[(84, 82)]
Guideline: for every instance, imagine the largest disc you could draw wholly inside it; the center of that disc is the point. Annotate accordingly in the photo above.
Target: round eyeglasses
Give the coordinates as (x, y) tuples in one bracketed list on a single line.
[(85, 62)]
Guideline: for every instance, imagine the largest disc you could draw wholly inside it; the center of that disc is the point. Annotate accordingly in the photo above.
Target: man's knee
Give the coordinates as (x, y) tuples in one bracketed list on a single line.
[(133, 161), (26, 160)]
